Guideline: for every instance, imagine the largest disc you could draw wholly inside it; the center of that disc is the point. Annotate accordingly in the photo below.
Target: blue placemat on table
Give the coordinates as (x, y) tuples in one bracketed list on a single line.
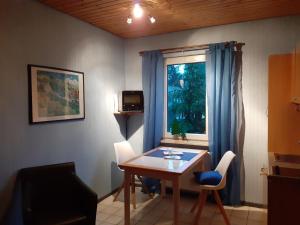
[(187, 156)]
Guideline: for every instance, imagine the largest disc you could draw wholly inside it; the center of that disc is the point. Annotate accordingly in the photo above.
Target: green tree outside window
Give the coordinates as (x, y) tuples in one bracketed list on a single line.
[(186, 98)]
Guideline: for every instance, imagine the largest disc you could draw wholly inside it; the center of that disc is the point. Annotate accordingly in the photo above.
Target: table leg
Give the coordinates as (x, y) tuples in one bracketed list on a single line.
[(127, 181), (133, 191), (176, 199), (162, 188)]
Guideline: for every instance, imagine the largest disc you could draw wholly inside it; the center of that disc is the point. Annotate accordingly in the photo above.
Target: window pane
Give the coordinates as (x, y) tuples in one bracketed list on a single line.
[(187, 97)]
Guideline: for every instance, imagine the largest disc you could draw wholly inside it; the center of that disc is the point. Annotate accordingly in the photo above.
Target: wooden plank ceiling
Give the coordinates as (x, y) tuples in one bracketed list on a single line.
[(171, 15)]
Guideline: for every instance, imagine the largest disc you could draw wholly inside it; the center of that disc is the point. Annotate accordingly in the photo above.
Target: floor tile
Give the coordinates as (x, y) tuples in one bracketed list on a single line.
[(204, 221), (117, 204), (141, 222), (103, 223), (148, 222), (159, 211), (240, 212), (255, 222), (102, 216), (164, 221), (109, 209), (238, 220), (108, 200), (257, 214), (113, 219)]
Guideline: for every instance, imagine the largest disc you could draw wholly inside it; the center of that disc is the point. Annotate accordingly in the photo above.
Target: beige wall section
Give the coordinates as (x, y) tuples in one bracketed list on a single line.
[(284, 119), (262, 39)]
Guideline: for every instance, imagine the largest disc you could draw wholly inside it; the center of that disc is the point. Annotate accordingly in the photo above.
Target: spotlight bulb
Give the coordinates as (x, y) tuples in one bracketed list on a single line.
[(152, 19), (137, 11), (129, 20)]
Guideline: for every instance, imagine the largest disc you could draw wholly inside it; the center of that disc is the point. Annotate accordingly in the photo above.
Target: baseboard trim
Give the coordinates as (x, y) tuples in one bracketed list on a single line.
[(257, 205), (107, 195)]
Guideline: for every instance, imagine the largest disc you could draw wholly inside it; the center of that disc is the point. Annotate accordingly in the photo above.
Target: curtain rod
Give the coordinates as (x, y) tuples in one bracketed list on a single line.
[(191, 48)]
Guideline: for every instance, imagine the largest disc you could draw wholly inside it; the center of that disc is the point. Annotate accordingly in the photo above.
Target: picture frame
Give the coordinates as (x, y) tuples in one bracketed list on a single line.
[(55, 94)]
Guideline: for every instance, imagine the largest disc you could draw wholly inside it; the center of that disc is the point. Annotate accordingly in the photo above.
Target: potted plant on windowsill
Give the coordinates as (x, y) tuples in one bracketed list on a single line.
[(183, 135), (178, 130), (175, 129)]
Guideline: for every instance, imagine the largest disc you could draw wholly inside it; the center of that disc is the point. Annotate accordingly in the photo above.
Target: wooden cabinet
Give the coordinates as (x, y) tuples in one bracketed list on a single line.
[(283, 117), (284, 195), (283, 200), (295, 81)]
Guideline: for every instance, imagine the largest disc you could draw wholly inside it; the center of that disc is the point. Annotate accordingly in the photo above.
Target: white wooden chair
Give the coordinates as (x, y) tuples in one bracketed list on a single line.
[(222, 169), (124, 152)]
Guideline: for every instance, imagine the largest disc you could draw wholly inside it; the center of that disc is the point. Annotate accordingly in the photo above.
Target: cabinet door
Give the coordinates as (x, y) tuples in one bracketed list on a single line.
[(283, 200), (283, 118), (296, 75)]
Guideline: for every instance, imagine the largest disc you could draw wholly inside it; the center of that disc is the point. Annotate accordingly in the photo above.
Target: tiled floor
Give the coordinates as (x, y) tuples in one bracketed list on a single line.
[(158, 211)]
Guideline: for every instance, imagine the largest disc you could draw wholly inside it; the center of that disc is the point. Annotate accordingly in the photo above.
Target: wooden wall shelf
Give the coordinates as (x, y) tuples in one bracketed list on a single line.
[(130, 113), (126, 116)]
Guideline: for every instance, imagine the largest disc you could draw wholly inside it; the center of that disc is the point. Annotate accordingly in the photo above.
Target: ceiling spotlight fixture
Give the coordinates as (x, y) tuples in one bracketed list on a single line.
[(137, 11), (129, 20), (152, 19)]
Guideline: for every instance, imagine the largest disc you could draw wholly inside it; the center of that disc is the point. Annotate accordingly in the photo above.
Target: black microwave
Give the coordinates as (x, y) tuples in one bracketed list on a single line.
[(131, 101)]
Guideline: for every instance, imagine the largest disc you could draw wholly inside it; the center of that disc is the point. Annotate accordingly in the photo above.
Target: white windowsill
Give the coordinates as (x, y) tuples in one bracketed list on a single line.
[(179, 142)]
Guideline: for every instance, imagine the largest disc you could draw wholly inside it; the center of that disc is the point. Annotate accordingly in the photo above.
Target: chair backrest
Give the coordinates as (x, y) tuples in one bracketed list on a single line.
[(46, 187), (225, 162), (123, 151), (46, 172)]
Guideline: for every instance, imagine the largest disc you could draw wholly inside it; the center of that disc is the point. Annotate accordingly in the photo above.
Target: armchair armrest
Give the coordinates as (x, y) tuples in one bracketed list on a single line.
[(88, 198), (83, 188)]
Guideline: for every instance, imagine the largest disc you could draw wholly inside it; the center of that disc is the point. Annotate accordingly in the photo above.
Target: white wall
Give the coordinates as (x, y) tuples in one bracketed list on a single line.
[(33, 33), (262, 38)]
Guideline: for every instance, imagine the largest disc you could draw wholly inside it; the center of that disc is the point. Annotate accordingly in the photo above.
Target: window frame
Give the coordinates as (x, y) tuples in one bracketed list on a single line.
[(179, 60)]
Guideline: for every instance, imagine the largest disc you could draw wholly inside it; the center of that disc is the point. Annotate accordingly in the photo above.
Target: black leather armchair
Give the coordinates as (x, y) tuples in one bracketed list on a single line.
[(54, 195)]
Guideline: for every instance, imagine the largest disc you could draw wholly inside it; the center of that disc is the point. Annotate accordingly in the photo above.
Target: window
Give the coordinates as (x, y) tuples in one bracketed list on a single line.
[(185, 97)]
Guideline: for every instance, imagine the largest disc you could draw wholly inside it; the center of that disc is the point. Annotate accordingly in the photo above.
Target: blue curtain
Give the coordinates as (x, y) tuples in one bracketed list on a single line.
[(225, 110), (153, 87)]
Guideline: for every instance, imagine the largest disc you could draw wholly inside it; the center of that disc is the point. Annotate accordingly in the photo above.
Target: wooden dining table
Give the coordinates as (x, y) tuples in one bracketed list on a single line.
[(153, 164)]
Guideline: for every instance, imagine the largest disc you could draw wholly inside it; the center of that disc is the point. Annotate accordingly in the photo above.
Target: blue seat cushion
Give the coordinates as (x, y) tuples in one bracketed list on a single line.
[(208, 177)]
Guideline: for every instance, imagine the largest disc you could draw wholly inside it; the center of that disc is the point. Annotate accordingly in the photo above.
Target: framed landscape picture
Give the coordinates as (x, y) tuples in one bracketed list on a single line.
[(55, 94)]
